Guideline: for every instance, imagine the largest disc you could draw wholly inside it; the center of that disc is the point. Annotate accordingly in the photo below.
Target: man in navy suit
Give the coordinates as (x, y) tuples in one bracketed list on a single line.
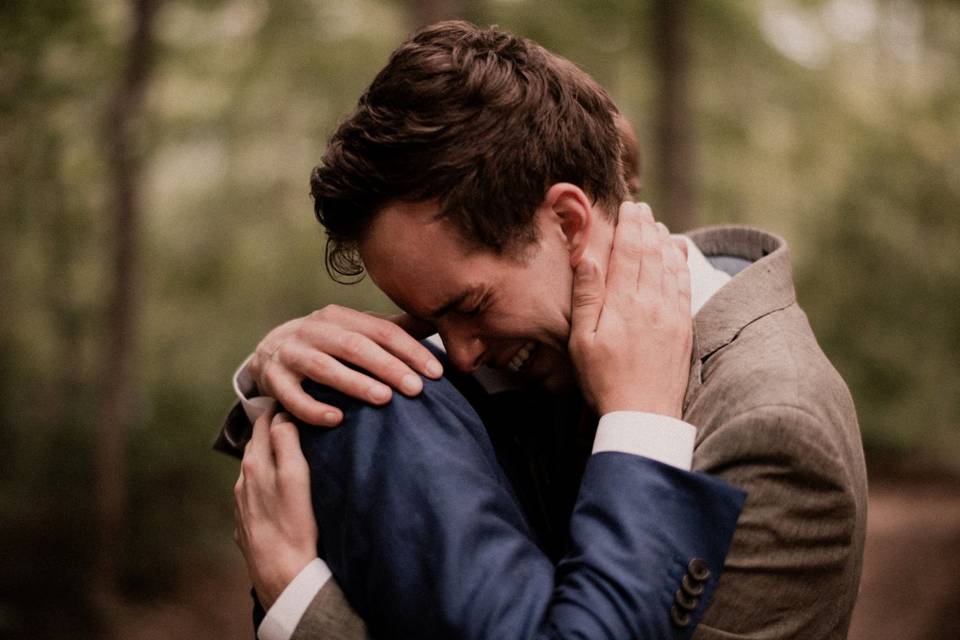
[(458, 189), (422, 529)]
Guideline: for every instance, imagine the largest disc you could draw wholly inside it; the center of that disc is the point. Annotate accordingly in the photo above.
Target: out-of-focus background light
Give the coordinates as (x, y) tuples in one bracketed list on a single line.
[(155, 222)]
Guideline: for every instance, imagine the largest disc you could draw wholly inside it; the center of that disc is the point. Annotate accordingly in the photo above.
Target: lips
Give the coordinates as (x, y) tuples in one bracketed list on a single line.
[(521, 358)]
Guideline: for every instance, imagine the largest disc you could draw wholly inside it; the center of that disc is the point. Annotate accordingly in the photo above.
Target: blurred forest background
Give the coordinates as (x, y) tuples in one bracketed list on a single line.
[(155, 222)]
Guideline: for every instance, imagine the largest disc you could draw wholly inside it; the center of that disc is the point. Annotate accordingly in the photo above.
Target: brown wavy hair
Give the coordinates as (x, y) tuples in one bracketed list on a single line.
[(480, 121)]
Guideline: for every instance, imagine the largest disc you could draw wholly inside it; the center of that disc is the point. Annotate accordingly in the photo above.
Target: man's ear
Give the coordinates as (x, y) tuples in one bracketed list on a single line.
[(569, 206)]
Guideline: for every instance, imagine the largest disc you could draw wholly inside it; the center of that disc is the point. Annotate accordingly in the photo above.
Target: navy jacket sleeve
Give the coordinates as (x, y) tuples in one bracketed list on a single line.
[(420, 527)]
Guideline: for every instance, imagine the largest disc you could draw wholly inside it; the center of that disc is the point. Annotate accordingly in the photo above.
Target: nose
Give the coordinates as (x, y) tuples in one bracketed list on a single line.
[(466, 352)]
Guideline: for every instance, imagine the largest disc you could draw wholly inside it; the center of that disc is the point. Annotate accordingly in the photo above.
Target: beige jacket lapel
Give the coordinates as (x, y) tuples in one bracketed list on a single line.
[(761, 288)]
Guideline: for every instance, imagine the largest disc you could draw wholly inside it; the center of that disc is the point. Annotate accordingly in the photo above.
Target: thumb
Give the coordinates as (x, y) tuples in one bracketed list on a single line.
[(588, 291)]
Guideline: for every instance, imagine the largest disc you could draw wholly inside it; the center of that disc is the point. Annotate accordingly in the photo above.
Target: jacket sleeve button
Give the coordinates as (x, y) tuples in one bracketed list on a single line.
[(678, 617), (686, 601), (691, 586), (698, 570)]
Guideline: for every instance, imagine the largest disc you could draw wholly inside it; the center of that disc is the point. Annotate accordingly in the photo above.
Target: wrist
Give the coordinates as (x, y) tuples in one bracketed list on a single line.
[(656, 406), (270, 587)]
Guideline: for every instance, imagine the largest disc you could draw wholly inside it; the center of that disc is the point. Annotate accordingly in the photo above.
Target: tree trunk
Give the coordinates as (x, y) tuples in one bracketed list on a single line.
[(117, 376), (674, 140)]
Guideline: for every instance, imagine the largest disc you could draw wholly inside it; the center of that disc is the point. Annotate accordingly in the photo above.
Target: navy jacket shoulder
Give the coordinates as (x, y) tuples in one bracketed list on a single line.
[(420, 527)]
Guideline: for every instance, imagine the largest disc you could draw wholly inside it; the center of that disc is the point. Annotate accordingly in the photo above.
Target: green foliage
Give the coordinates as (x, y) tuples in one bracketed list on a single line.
[(840, 136)]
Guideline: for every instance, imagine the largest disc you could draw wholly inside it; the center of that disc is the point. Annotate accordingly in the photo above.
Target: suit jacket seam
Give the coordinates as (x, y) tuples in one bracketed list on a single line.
[(733, 338)]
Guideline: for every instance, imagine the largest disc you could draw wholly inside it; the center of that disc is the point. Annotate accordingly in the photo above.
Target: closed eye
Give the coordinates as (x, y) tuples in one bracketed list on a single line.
[(475, 310)]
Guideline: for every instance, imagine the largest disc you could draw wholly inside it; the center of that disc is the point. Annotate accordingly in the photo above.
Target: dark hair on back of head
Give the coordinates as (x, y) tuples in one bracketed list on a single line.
[(478, 120)]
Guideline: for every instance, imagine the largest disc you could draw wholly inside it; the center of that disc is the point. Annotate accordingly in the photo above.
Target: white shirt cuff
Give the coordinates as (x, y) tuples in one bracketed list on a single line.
[(284, 616), (661, 438), (245, 387)]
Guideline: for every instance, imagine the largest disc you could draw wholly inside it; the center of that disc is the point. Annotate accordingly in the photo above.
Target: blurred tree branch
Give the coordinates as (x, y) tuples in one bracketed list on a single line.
[(674, 141), (117, 377)]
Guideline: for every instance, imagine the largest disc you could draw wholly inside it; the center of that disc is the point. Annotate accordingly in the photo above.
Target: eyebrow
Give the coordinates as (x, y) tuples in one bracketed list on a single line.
[(451, 304)]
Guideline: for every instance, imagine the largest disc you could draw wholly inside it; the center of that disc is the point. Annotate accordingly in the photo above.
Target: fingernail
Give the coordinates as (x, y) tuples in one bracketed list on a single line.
[(434, 369), (379, 393), (411, 384), (331, 418)]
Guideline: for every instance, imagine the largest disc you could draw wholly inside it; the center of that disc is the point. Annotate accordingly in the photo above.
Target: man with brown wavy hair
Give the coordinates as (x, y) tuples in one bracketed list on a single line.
[(479, 121), (478, 183)]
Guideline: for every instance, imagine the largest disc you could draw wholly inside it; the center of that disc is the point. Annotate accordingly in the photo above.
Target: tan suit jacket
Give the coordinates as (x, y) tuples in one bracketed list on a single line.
[(775, 419)]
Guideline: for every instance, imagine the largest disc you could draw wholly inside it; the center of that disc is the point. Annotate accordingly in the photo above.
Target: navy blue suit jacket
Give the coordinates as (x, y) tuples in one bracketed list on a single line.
[(421, 528)]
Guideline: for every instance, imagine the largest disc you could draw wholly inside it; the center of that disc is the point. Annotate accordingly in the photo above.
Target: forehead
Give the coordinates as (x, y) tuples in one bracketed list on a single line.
[(416, 258)]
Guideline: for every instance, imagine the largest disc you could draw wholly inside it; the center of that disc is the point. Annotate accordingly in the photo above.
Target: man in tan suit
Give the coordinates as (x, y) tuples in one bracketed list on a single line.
[(775, 419), (771, 415)]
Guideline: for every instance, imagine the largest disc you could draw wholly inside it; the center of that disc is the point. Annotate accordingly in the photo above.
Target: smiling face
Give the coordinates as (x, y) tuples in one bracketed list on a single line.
[(505, 311)]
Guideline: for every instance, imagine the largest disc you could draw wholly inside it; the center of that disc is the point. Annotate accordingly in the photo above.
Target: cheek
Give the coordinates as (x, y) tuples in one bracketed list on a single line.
[(540, 318), (553, 298), (506, 324)]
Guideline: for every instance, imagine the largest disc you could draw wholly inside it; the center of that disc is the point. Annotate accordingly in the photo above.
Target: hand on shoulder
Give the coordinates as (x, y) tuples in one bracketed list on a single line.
[(319, 346)]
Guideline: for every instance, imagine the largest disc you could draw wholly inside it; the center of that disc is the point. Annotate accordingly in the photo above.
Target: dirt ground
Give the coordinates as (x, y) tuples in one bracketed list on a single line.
[(910, 588), (214, 605)]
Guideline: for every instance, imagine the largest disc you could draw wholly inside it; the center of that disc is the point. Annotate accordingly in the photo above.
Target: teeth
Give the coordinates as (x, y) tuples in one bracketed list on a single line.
[(520, 357)]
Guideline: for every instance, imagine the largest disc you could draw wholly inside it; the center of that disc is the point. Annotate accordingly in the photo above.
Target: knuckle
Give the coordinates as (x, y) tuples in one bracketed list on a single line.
[(329, 311), (276, 435), (282, 393), (354, 345), (256, 363), (248, 466), (270, 378), (286, 352), (302, 330), (289, 477), (386, 331), (280, 432), (265, 375), (318, 365), (376, 331)]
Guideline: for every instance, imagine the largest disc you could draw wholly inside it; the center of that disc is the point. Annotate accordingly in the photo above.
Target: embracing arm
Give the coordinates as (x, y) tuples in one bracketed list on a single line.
[(426, 539), (422, 529), (424, 533)]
